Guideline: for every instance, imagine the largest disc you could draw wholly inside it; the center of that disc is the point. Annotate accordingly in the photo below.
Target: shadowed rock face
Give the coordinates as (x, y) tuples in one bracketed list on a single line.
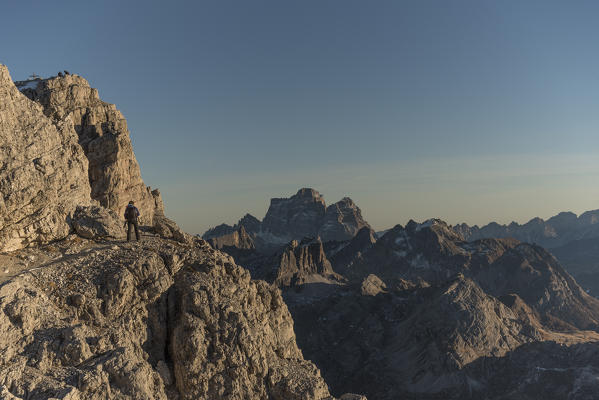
[(43, 171), (299, 216), (343, 255), (447, 341), (433, 252), (446, 304), (342, 221), (249, 223), (298, 263), (114, 174), (581, 259)]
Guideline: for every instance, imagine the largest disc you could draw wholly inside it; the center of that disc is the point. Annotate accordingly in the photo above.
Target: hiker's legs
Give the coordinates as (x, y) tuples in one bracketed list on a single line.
[(129, 226), (136, 224)]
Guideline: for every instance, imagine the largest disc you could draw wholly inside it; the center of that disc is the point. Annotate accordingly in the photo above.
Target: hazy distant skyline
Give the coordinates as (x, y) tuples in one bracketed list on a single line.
[(470, 111)]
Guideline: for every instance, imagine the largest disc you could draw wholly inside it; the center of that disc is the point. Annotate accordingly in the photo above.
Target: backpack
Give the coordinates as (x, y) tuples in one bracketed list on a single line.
[(131, 213)]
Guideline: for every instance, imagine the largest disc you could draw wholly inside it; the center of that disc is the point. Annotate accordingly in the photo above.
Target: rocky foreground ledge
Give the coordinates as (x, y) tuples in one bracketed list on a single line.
[(155, 319)]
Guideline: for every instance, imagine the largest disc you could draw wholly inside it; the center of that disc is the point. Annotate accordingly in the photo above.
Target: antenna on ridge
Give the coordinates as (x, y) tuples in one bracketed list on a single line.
[(34, 76)]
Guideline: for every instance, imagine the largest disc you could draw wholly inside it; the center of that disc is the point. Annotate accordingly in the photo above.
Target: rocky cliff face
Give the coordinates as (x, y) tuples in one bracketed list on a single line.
[(344, 255), (156, 320), (114, 174), (238, 239), (342, 221), (299, 216), (43, 171), (249, 223)]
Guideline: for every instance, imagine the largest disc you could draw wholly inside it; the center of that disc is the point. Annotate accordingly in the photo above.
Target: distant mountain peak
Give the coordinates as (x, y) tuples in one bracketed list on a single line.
[(558, 230), (304, 214)]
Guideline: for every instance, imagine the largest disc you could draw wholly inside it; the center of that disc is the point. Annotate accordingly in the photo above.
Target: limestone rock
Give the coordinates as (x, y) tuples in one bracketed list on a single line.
[(222, 345), (114, 174), (345, 254), (297, 217), (299, 263), (218, 231), (352, 396), (238, 239), (251, 224), (95, 222), (372, 285), (342, 221), (169, 229), (43, 171), (148, 320)]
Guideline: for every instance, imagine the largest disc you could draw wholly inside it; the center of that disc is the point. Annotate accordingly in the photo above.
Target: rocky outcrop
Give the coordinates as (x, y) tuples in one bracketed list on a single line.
[(345, 254), (223, 346), (218, 231), (150, 320), (238, 239), (94, 222), (298, 263), (297, 217), (168, 229), (43, 171), (342, 221), (372, 285), (251, 224), (113, 172)]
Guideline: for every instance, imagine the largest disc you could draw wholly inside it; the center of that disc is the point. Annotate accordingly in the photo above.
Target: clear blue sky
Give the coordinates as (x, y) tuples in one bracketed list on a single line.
[(464, 110)]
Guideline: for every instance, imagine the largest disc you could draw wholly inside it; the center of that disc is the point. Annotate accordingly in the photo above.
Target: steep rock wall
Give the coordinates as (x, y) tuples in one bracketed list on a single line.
[(43, 171), (114, 174)]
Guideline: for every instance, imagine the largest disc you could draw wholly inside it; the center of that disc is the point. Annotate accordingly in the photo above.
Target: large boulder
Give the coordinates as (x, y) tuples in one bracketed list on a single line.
[(95, 222), (169, 229)]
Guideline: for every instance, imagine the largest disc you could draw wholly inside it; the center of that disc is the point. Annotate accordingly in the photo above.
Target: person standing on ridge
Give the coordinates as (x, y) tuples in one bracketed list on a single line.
[(131, 215)]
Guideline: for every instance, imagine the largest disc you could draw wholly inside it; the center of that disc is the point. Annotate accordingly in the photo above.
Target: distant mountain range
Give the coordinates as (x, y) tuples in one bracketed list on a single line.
[(557, 231), (426, 310)]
